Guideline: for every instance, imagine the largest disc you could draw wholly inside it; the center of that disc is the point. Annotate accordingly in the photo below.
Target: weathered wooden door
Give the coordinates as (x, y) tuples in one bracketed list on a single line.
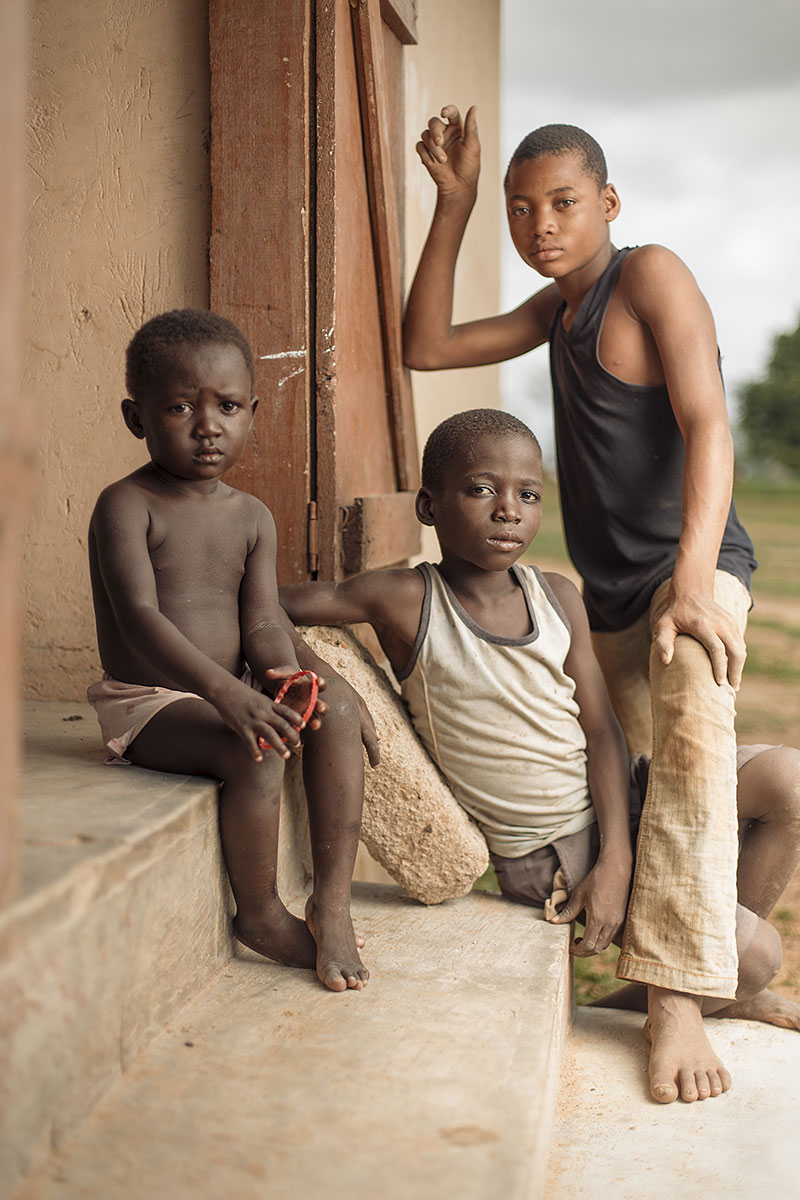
[(307, 185)]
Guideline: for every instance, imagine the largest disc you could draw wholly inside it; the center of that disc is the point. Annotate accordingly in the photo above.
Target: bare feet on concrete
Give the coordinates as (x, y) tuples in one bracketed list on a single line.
[(338, 964), (765, 1006), (277, 935), (682, 1063)]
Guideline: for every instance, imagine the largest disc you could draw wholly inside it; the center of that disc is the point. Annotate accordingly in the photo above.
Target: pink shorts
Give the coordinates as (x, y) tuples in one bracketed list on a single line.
[(123, 709)]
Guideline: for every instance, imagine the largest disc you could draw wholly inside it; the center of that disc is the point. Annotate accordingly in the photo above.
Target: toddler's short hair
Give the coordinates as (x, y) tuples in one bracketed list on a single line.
[(150, 348), (449, 440), (561, 139)]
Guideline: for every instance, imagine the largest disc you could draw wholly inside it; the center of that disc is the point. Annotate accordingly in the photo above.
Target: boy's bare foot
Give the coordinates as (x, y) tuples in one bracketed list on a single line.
[(765, 1006), (682, 1062), (281, 936), (338, 964)]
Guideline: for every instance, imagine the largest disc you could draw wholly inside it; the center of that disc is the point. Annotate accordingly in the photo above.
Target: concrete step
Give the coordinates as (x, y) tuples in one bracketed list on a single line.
[(121, 916), (436, 1081), (611, 1142)]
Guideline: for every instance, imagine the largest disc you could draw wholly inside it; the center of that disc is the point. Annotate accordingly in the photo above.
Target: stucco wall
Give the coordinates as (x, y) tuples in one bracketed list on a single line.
[(118, 230), (457, 62)]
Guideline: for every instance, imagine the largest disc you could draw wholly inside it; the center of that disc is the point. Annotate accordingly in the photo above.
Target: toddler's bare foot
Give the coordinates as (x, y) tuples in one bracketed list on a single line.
[(338, 964), (277, 935), (682, 1062), (765, 1006)]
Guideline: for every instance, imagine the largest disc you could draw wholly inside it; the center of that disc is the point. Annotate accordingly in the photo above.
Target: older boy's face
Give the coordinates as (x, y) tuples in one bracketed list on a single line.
[(196, 423), (557, 215), (490, 507)]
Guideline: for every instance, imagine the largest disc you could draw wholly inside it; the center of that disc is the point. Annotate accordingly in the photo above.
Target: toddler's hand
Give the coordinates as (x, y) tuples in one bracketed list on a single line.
[(258, 720), (299, 694)]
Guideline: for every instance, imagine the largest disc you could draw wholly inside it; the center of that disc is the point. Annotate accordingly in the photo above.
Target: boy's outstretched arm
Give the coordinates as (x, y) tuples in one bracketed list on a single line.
[(664, 295), (450, 151), (604, 892), (390, 601)]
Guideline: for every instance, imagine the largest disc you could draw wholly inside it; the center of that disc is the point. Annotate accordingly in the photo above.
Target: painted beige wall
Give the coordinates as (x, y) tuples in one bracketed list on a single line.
[(118, 230), (457, 61)]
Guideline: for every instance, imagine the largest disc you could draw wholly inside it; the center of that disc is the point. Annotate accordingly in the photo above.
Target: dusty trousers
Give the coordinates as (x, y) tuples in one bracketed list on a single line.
[(680, 931)]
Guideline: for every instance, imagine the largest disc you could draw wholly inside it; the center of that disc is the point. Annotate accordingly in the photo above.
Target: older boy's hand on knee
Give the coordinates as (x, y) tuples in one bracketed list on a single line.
[(603, 897), (451, 152), (709, 624)]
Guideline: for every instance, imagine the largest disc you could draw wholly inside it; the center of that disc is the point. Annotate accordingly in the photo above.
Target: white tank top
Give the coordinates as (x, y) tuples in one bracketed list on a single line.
[(499, 717)]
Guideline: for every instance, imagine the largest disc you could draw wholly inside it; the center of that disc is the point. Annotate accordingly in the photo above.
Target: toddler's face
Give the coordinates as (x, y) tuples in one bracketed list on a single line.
[(197, 421)]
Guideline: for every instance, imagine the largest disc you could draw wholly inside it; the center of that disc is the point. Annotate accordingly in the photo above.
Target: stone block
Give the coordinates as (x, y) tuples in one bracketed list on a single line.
[(412, 824)]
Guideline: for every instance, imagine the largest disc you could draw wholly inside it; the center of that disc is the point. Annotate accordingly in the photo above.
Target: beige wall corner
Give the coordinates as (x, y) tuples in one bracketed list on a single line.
[(457, 61), (118, 226)]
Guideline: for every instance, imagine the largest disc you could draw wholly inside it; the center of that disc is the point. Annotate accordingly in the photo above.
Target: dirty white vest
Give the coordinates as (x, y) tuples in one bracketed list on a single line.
[(498, 715)]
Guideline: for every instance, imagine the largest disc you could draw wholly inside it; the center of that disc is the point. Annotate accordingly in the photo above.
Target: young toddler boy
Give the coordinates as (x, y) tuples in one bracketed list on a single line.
[(495, 661), (645, 466), (192, 641)]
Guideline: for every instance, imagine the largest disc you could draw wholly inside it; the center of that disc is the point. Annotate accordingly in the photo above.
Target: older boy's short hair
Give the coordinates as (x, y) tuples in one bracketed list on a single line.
[(152, 347), (450, 439), (561, 139)]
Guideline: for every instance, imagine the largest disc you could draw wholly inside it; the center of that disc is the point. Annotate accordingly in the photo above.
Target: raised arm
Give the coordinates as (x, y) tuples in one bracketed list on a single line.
[(664, 295), (604, 891), (450, 151)]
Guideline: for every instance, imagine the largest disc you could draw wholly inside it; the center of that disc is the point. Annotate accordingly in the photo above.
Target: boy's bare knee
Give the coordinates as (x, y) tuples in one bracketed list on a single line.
[(762, 961), (771, 786)]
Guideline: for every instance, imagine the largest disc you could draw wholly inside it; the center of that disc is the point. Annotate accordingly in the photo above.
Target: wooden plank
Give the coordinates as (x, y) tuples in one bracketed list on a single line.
[(379, 531), (373, 95), (17, 464), (259, 255), (401, 17)]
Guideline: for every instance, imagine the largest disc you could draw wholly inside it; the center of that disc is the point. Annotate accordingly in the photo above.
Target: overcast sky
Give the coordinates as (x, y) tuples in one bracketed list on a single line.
[(697, 106)]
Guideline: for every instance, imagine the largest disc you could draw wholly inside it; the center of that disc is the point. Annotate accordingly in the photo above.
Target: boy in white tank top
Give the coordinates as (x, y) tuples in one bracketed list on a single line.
[(496, 665)]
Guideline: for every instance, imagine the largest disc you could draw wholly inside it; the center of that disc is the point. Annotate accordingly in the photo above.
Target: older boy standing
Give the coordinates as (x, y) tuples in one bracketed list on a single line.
[(645, 465)]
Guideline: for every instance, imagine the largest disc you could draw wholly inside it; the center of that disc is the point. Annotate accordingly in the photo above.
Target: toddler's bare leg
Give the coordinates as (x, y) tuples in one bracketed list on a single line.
[(333, 773), (190, 737)]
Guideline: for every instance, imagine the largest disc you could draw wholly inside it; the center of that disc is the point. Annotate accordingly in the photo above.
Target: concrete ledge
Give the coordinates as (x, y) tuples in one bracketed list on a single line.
[(612, 1140), (436, 1081), (122, 914)]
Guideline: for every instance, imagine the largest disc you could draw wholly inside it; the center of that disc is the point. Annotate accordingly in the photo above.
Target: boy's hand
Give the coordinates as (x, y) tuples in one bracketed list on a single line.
[(299, 694), (258, 720), (451, 151), (708, 624), (369, 734), (604, 896)]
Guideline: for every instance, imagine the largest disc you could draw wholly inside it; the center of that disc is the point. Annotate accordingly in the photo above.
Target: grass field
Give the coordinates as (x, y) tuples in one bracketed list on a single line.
[(768, 705)]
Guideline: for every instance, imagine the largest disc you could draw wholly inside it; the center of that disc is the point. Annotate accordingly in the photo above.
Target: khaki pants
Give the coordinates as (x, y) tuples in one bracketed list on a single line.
[(680, 932)]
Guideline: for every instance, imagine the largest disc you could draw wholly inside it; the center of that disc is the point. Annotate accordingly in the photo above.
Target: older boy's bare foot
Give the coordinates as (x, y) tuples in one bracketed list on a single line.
[(765, 1006), (338, 964), (682, 1062), (278, 935)]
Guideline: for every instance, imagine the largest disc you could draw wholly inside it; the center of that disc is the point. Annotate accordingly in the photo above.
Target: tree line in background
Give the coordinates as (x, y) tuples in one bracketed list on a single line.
[(770, 412)]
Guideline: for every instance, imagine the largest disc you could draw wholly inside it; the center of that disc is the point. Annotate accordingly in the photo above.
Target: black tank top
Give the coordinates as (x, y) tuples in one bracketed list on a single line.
[(620, 469)]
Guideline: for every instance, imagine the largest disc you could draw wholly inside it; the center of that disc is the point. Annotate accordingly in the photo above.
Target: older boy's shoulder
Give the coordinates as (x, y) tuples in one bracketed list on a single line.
[(652, 265)]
